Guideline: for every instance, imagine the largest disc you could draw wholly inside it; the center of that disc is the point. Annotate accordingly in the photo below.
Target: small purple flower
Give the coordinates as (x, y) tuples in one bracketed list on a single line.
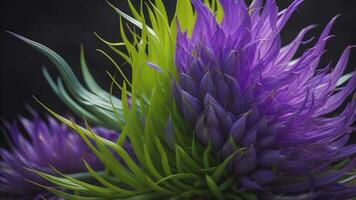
[(239, 88), (45, 144)]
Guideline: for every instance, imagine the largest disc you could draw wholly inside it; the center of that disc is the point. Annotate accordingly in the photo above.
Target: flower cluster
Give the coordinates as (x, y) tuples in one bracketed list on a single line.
[(238, 87), (43, 145)]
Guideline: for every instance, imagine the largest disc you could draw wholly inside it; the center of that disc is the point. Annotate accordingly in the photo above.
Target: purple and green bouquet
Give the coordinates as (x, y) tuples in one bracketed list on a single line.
[(217, 108)]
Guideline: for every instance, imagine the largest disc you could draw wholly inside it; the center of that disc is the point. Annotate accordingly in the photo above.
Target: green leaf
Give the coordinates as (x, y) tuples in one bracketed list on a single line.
[(214, 188), (94, 103), (131, 19), (107, 183), (206, 156)]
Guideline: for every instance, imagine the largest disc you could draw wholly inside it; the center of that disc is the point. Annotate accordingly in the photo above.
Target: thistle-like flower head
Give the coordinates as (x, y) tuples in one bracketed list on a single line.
[(248, 118), (41, 145), (239, 88)]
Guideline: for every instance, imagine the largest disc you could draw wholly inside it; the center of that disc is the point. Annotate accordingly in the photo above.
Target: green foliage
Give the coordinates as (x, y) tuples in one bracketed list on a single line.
[(168, 162)]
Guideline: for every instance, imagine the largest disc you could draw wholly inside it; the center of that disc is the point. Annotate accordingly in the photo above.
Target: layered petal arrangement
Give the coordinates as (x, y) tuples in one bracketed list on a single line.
[(44, 146), (217, 108), (238, 87)]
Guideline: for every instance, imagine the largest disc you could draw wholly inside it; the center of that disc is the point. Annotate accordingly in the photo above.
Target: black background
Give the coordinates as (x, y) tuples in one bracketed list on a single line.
[(64, 25)]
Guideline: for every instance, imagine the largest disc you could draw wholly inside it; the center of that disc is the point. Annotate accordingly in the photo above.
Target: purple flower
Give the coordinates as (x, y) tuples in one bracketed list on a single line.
[(239, 88), (45, 144)]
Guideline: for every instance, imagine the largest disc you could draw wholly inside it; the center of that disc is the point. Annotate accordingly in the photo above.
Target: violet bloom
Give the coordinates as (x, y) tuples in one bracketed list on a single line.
[(239, 88), (45, 144)]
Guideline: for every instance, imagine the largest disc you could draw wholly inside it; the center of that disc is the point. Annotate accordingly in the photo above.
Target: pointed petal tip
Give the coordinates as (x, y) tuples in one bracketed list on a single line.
[(18, 36), (333, 20)]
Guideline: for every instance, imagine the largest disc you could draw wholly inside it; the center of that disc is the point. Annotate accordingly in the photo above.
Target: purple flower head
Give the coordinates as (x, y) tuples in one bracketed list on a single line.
[(45, 144), (239, 88)]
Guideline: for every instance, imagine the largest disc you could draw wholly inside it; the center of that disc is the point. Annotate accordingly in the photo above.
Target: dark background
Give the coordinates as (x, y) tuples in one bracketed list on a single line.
[(64, 25)]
